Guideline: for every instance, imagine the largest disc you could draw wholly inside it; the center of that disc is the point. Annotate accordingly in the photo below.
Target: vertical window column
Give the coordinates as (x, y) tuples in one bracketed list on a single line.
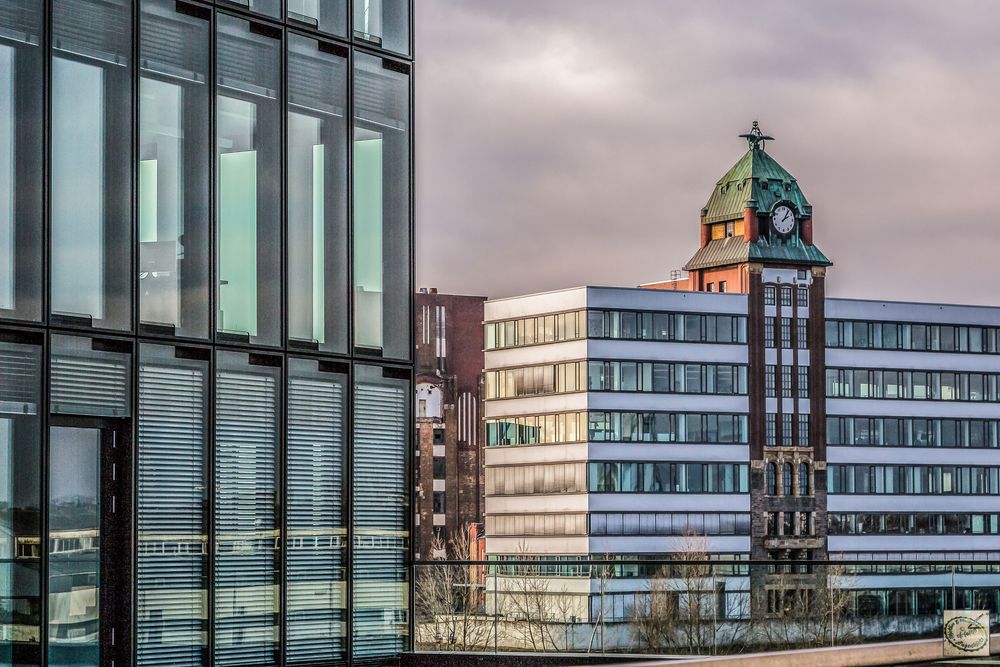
[(381, 254), (380, 513), (247, 525), (248, 180)]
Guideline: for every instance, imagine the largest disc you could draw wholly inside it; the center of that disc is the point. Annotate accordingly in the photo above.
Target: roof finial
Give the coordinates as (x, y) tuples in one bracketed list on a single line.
[(755, 138)]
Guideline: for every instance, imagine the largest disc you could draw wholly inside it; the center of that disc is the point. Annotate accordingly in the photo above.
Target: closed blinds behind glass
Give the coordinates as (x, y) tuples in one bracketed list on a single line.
[(380, 429), (316, 533), (172, 610), (246, 528)]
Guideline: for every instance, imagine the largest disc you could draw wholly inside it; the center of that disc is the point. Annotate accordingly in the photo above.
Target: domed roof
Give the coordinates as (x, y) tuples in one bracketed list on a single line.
[(756, 181)]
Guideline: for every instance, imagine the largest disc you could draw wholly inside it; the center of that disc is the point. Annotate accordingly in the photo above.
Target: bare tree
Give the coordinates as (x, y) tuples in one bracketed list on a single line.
[(448, 600), (807, 608), (529, 605)]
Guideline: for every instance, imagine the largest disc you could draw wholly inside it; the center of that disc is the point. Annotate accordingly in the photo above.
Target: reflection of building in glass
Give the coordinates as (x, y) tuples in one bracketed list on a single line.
[(205, 306), (742, 406)]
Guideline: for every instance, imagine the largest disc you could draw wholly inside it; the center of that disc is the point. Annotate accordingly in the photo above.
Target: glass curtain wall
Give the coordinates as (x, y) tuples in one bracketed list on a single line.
[(385, 23), (329, 16), (247, 520), (174, 159), (381, 207), (317, 195), (21, 65), (173, 485), (248, 183), (316, 518), (20, 503), (91, 177), (382, 398)]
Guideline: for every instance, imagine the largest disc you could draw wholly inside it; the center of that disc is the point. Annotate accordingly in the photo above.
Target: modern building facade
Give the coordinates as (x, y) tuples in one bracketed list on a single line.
[(205, 358), (449, 470), (742, 411)]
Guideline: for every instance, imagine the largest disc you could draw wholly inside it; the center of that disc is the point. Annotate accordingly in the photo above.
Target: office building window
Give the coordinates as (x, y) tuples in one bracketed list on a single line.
[(173, 483), (804, 485), (248, 183), (316, 514), (802, 297), (174, 159), (786, 429), (770, 429), (21, 156), (380, 516), (385, 23), (786, 296), (722, 285), (247, 525), (710, 287), (803, 430), (381, 206), (802, 333), (786, 333), (438, 471), (91, 177), (786, 381), (317, 195), (771, 479), (329, 16), (768, 332), (769, 380), (769, 295), (786, 479), (662, 477), (803, 375)]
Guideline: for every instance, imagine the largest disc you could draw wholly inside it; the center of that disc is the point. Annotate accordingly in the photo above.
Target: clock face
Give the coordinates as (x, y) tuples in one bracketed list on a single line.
[(782, 219)]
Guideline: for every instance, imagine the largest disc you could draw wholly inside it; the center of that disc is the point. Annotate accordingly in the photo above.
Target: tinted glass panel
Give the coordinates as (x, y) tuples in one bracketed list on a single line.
[(381, 208), (317, 196), (91, 179), (174, 157), (324, 15), (20, 159), (381, 425), (383, 22), (20, 531), (173, 495), (248, 180)]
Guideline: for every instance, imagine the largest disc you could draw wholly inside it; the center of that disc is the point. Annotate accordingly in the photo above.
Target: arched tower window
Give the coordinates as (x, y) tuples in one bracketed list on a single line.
[(803, 479)]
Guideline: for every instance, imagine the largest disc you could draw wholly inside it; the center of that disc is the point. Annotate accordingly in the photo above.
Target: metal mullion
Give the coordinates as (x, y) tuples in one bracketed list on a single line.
[(133, 330), (282, 489), (281, 472), (409, 571), (43, 584), (209, 519), (349, 517)]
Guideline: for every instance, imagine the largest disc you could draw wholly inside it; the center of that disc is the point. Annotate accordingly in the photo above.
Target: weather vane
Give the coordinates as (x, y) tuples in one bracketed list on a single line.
[(755, 138)]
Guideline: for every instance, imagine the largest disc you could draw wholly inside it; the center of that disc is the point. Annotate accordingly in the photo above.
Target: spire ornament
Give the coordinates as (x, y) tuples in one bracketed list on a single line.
[(755, 138)]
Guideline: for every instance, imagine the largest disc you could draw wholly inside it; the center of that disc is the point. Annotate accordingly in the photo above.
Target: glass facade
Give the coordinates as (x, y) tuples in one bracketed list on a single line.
[(205, 358)]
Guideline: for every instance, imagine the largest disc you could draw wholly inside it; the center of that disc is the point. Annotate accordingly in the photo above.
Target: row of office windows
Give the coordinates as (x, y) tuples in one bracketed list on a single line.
[(626, 376), (635, 566), (617, 427), (613, 477), (209, 433), (783, 334), (922, 601), (917, 523), (540, 478), (781, 524), (501, 525), (912, 432), (617, 325), (913, 479), (907, 336), (670, 523), (770, 381), (232, 119), (771, 295), (912, 385)]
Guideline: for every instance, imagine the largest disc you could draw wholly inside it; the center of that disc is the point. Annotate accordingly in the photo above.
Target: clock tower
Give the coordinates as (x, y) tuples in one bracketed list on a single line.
[(757, 239)]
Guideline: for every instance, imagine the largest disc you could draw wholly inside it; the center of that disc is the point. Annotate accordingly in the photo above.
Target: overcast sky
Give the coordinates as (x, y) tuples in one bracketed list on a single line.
[(570, 142)]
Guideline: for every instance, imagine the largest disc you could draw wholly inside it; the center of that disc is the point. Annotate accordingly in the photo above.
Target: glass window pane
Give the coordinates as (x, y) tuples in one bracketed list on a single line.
[(174, 156), (325, 15), (172, 613), (383, 22), (247, 527), (91, 180), (20, 491), (381, 207), (316, 514), (90, 377), (248, 181), (381, 428), (21, 159), (317, 195)]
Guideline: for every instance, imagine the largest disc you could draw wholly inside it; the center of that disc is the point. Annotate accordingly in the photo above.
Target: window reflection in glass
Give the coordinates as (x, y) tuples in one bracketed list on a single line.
[(20, 491), (91, 178), (383, 22), (381, 207), (317, 195), (20, 159), (173, 170), (248, 181), (328, 16)]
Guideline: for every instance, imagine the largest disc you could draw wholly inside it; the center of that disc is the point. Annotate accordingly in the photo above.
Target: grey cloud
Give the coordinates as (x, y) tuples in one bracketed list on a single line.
[(562, 142)]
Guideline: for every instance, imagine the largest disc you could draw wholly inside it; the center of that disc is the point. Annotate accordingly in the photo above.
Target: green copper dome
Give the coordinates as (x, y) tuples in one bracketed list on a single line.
[(757, 180)]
